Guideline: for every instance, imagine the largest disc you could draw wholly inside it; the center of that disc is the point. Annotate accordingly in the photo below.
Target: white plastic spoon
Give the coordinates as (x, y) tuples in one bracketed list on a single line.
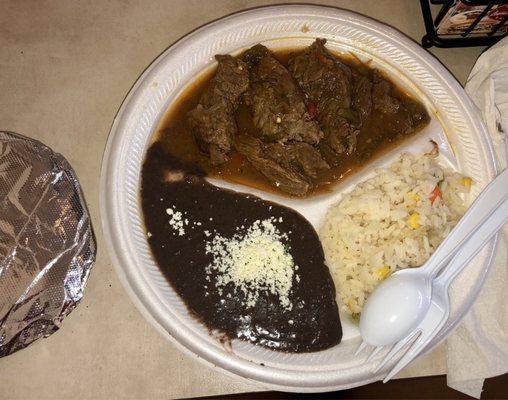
[(440, 305), (399, 303)]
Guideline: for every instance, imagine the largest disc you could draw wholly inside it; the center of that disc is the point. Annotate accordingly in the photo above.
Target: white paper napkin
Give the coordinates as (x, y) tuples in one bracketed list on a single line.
[(478, 349)]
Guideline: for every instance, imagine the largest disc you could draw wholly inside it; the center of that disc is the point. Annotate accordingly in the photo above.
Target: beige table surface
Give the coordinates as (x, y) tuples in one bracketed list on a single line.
[(65, 67)]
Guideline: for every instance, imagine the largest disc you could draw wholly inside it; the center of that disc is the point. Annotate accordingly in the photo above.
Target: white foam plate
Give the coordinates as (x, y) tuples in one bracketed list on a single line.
[(455, 125)]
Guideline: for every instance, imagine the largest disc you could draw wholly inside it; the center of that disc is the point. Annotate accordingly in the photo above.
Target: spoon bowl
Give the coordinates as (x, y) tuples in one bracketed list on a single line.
[(397, 305)]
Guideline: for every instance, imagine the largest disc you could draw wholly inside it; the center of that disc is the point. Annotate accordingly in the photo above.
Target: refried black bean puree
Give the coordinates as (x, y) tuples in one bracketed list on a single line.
[(313, 322)]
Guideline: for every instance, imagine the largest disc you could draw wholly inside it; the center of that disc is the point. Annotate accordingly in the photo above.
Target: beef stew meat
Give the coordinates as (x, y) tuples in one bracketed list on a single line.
[(409, 115), (212, 121), (292, 121), (298, 155), (278, 106), (362, 97), (290, 167), (328, 84), (283, 177)]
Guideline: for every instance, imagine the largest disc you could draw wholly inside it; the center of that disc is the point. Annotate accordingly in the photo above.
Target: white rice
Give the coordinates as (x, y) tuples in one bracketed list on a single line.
[(388, 223)]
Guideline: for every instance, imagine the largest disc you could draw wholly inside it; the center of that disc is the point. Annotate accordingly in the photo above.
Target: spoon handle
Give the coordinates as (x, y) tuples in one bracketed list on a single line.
[(484, 205), (474, 244)]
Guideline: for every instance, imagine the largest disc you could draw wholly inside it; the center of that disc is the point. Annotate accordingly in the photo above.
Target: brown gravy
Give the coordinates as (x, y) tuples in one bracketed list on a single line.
[(378, 134)]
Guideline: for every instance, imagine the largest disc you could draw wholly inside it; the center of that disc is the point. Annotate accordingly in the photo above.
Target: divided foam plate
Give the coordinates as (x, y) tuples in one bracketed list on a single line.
[(455, 126)]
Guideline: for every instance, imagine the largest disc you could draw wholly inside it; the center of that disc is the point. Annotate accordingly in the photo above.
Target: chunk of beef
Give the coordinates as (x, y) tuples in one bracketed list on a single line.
[(341, 136), (362, 97), (409, 114), (212, 121), (230, 81), (278, 106), (381, 98), (328, 85), (323, 78), (290, 166), (298, 155), (328, 154), (214, 129), (253, 56), (282, 177), (308, 159), (419, 115)]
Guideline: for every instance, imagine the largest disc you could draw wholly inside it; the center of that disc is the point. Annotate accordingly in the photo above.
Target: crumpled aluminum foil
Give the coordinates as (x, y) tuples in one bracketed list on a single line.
[(47, 245)]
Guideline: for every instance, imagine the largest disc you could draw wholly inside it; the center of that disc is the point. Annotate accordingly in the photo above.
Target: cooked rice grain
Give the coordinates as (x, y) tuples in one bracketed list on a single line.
[(388, 223)]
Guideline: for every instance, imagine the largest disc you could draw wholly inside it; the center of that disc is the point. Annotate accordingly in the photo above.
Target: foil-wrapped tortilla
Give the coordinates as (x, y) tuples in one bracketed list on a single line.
[(47, 245)]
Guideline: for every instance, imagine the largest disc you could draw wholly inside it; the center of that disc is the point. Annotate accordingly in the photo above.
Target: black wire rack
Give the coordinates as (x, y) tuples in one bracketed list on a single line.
[(466, 38)]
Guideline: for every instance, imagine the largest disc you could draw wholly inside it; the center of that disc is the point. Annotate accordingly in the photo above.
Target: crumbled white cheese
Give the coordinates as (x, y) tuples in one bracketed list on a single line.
[(148, 234), (254, 261), (176, 222)]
